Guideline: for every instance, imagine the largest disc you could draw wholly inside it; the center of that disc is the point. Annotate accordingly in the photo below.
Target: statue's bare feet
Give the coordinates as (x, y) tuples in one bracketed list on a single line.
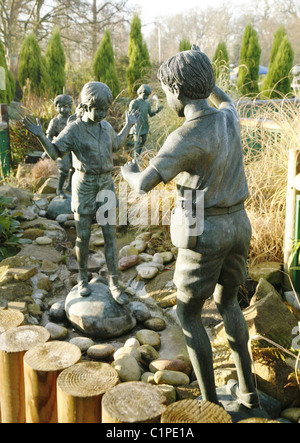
[(84, 289), (118, 295)]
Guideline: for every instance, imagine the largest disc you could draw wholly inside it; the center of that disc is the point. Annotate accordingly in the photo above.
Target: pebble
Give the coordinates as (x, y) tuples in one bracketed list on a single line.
[(57, 311), (127, 368), (291, 414), (144, 236), (128, 251), (132, 343), (145, 257), (83, 343), (140, 311), (163, 364), (148, 354), (155, 324), (148, 377), (57, 332), (134, 352), (128, 262), (167, 256), (158, 258), (44, 241), (148, 272), (173, 378), (139, 244), (147, 337), (169, 392), (100, 352)]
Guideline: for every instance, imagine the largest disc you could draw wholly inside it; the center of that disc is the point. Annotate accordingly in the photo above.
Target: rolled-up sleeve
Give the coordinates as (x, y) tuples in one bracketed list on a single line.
[(66, 140)]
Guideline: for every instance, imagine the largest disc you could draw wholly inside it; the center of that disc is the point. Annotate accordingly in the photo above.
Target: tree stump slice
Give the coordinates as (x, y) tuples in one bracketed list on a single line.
[(13, 345), (193, 411), (133, 402), (42, 366), (80, 390), (9, 319)]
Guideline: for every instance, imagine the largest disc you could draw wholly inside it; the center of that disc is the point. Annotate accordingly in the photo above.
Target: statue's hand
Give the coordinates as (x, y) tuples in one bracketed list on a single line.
[(129, 168), (132, 117), (36, 130)]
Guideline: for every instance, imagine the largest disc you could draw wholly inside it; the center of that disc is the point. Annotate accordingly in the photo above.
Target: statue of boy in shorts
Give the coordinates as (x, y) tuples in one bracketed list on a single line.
[(205, 155), (92, 142), (63, 104), (141, 129)]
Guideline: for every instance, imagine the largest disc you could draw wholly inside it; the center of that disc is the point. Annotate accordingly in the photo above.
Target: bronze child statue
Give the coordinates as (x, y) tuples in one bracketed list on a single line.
[(205, 154), (63, 104), (92, 142), (140, 130)]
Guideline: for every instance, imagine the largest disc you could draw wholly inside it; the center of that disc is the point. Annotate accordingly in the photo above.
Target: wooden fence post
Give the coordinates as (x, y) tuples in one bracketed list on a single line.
[(42, 366), (13, 345), (80, 389), (193, 411)]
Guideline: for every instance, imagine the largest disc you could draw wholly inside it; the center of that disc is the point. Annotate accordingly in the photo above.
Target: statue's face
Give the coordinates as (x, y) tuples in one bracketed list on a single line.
[(97, 113), (64, 109), (173, 100)]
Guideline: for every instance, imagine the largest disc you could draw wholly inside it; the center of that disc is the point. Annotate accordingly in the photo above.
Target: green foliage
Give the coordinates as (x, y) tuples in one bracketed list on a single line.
[(139, 60), (8, 95), (278, 81), (184, 45), (10, 240), (221, 62), (249, 62), (32, 66), (55, 61), (76, 78), (104, 64)]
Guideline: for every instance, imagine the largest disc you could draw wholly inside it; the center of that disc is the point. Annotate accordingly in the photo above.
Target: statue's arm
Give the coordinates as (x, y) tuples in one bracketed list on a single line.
[(131, 119), (219, 97), (139, 181), (37, 130)]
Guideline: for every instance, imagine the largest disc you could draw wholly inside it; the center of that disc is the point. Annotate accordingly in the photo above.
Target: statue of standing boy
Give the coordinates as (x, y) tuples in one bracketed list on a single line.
[(206, 156), (63, 104), (92, 142), (140, 130)]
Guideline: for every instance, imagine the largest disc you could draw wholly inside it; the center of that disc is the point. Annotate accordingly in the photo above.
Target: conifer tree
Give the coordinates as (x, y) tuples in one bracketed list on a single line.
[(249, 62), (184, 45), (221, 62), (139, 60), (104, 64), (55, 61), (279, 80), (7, 95), (32, 66)]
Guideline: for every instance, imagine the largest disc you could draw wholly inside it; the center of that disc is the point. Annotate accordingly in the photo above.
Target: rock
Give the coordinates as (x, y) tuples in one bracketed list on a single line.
[(148, 377), (147, 337), (49, 187), (173, 378), (57, 332), (187, 391), (43, 241), (58, 206), (98, 315), (263, 289), (169, 392), (145, 236), (18, 305), (17, 291), (159, 288), (140, 311), (128, 251), (158, 258), (147, 272), (132, 343), (127, 368), (16, 269), (33, 233), (20, 197), (291, 414), (155, 324), (48, 267), (57, 311), (145, 257), (45, 284), (101, 352), (167, 365), (128, 262), (270, 271), (168, 301), (134, 352), (148, 354), (35, 310), (41, 253), (83, 343), (167, 256), (139, 244)]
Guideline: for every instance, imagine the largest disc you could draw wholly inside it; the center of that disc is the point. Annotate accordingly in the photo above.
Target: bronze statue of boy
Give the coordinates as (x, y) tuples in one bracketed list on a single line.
[(205, 154), (92, 141)]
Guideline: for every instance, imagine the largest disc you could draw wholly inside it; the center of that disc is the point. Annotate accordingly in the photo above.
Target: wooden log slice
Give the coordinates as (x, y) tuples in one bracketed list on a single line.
[(10, 318), (42, 365), (133, 402), (80, 390), (193, 411), (13, 345)]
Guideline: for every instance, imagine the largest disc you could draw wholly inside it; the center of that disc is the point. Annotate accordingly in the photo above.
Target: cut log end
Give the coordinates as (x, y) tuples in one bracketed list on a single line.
[(52, 356), (23, 338), (10, 318), (193, 411)]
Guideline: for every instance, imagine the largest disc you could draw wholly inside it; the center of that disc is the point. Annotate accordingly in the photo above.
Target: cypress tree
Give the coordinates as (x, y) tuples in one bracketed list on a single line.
[(7, 95), (55, 61), (221, 62), (104, 64), (184, 45), (32, 66), (279, 80), (139, 60), (249, 62)]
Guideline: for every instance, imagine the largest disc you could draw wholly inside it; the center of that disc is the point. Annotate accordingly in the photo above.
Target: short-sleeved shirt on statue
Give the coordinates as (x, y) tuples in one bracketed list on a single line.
[(206, 154), (144, 108)]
